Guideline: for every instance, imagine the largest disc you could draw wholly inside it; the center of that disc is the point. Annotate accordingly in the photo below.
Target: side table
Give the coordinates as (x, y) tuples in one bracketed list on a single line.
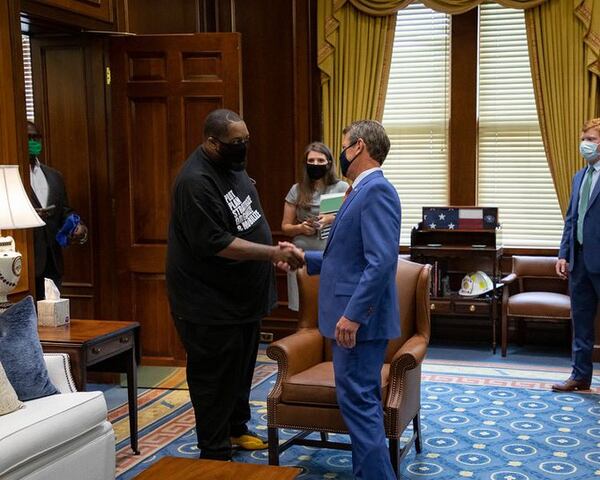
[(103, 345)]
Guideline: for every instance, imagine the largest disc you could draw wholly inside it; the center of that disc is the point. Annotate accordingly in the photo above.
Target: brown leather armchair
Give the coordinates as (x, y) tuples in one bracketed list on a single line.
[(534, 291), (304, 397)]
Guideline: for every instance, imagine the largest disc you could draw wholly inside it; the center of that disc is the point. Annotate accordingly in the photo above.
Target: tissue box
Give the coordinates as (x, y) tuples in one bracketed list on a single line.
[(53, 313)]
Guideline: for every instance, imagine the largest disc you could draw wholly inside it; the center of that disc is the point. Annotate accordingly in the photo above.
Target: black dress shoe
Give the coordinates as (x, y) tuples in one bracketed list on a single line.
[(571, 384)]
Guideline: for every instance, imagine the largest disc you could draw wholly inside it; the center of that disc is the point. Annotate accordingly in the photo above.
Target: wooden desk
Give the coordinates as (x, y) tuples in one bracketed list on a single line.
[(175, 468), (453, 253), (102, 345)]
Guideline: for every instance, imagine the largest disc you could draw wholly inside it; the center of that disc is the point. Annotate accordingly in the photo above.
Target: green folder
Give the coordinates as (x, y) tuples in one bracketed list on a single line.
[(331, 202)]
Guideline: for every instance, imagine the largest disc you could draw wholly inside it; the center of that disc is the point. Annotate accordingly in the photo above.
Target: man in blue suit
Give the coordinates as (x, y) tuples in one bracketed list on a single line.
[(579, 260), (358, 303)]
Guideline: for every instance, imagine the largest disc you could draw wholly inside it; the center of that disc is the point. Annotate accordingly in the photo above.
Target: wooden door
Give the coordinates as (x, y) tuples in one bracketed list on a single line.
[(68, 82), (162, 88)]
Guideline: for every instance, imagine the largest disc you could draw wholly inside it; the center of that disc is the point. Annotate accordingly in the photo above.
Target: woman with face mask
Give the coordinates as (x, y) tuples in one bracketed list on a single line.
[(302, 219)]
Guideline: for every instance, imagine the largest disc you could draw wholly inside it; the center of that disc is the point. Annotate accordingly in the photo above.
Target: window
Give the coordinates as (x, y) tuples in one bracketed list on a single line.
[(513, 170), (28, 78), (416, 112)]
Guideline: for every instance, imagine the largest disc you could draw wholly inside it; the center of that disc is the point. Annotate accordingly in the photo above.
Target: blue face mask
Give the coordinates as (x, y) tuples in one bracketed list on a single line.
[(344, 162), (589, 151)]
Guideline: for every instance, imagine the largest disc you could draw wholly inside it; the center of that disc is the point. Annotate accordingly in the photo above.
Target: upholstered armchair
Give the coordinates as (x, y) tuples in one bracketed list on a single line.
[(304, 397), (533, 291)]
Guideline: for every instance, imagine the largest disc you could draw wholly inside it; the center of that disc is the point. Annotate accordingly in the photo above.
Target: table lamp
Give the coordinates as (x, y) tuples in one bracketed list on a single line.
[(16, 212)]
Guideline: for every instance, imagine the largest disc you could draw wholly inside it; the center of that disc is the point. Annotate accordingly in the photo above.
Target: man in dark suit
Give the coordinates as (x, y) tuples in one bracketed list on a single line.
[(50, 201), (358, 302), (579, 260)]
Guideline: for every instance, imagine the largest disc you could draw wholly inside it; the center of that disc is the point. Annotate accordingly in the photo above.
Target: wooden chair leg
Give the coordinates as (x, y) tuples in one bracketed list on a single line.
[(324, 436), (417, 431), (273, 437), (521, 334), (395, 455)]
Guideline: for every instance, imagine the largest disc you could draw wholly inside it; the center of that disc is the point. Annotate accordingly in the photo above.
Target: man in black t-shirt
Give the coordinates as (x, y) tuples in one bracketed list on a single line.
[(220, 282)]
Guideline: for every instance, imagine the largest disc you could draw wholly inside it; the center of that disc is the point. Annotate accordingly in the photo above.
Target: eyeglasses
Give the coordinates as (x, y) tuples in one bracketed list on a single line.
[(351, 145), (235, 141)]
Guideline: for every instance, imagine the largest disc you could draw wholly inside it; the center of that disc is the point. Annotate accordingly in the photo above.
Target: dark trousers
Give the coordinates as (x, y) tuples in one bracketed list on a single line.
[(358, 388), (220, 365), (51, 272), (585, 292)]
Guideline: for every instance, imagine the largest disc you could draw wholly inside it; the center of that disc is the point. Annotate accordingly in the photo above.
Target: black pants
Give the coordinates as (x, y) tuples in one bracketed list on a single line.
[(220, 365), (51, 272)]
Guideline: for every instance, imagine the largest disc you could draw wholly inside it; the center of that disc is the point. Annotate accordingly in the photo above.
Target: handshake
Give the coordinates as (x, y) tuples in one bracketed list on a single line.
[(287, 256)]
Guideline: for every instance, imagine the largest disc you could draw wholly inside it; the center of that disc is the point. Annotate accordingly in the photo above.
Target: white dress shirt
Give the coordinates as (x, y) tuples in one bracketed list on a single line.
[(39, 184), (364, 175)]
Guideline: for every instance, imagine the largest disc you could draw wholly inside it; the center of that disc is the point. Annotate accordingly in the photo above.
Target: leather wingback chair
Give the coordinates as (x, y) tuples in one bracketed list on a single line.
[(304, 396), (534, 291)]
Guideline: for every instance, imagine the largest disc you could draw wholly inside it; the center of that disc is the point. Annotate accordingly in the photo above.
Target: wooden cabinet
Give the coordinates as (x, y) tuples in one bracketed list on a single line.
[(454, 253)]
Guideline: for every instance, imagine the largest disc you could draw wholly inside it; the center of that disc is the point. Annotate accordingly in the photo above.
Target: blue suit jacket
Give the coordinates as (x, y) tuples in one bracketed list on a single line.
[(591, 227), (358, 266)]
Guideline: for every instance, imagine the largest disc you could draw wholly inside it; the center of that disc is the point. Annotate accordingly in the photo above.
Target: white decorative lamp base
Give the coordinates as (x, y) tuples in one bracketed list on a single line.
[(10, 269), (16, 212)]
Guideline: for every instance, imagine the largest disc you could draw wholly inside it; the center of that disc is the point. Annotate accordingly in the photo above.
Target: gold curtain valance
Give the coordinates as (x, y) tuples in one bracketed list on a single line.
[(590, 17), (331, 13), (382, 8)]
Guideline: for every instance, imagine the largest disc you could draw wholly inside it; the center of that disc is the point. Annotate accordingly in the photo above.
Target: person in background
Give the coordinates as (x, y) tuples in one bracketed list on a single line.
[(578, 258), (302, 219), (220, 282), (63, 225)]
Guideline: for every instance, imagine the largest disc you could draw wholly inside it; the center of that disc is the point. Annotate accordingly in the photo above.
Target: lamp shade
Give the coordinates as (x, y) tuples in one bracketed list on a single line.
[(16, 210)]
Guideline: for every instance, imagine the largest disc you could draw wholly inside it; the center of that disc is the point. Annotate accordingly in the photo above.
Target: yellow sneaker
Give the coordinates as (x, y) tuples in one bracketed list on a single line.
[(249, 441)]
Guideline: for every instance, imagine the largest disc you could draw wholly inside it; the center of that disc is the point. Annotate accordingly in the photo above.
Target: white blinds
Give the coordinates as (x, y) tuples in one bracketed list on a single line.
[(28, 78), (416, 112), (513, 171)]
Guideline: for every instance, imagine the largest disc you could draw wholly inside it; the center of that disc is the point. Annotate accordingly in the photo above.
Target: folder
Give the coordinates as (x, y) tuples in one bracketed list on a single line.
[(330, 203)]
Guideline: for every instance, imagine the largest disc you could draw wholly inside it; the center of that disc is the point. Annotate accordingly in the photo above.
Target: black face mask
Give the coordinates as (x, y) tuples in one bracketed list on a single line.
[(344, 162), (233, 155), (316, 172)]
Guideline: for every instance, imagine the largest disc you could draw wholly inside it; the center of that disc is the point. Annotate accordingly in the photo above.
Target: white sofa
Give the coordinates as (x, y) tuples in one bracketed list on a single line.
[(60, 437)]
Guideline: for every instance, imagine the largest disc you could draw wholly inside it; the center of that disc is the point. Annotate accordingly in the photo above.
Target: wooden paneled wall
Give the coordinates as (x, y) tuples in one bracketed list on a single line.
[(278, 66), (158, 16)]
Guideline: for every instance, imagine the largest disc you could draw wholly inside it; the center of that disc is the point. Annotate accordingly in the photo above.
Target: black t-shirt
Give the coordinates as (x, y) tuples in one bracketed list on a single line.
[(210, 207)]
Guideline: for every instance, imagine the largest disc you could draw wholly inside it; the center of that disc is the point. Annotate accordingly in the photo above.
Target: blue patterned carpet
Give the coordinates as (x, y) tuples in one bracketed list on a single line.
[(479, 432)]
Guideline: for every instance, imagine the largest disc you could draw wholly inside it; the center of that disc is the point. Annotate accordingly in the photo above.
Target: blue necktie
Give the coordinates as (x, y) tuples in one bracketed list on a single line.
[(584, 199)]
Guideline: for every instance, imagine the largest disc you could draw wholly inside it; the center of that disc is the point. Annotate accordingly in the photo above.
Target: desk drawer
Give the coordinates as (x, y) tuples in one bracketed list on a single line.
[(472, 308), (440, 306), (109, 347)]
